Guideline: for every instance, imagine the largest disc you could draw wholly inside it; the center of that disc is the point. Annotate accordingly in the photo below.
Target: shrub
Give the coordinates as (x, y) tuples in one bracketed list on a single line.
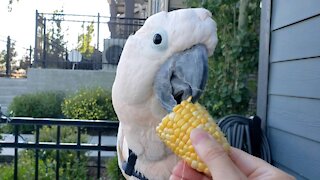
[(113, 172), (94, 103), (37, 105), (231, 87), (26, 170), (70, 166)]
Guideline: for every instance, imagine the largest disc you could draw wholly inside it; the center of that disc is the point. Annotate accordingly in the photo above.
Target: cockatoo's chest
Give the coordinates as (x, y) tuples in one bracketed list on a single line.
[(139, 122)]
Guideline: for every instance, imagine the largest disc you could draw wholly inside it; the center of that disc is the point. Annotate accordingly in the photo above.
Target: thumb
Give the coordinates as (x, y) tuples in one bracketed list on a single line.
[(214, 156)]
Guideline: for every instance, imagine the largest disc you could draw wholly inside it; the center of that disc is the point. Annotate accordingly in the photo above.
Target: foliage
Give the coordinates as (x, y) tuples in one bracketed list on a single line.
[(55, 35), (113, 172), (70, 166), (54, 38), (1, 140), (67, 134), (26, 168), (37, 105), (235, 61), (2, 59), (93, 103), (84, 41), (13, 54)]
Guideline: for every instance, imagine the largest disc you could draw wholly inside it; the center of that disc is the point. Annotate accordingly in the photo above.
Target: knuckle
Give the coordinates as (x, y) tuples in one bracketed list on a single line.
[(214, 153)]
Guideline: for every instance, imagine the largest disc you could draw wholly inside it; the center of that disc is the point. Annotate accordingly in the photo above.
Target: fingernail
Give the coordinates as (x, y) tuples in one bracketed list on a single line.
[(198, 135)]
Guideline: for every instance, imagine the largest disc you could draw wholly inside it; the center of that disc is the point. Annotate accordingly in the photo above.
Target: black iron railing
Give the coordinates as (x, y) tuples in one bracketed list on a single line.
[(99, 125), (52, 47)]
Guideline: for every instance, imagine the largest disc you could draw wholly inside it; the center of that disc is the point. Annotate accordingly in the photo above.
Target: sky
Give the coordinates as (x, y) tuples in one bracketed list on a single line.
[(19, 24)]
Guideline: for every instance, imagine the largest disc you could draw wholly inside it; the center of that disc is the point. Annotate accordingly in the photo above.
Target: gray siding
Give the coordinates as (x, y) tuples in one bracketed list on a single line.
[(299, 78), (297, 116), (296, 41), (293, 88), (285, 12), (295, 153)]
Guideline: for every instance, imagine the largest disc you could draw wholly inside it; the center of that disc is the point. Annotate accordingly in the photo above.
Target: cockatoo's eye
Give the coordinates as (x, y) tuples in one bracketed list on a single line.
[(157, 39)]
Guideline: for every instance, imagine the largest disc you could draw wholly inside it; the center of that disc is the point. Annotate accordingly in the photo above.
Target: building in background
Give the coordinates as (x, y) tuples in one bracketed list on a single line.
[(155, 6), (126, 17)]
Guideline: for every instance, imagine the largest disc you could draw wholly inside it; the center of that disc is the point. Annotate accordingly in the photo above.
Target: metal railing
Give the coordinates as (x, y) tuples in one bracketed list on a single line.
[(99, 125), (52, 47)]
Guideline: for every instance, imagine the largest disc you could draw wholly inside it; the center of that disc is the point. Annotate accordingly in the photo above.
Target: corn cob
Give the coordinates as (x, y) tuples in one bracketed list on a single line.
[(175, 128)]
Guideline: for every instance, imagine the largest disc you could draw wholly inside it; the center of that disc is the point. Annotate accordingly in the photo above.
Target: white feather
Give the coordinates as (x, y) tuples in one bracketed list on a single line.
[(134, 101)]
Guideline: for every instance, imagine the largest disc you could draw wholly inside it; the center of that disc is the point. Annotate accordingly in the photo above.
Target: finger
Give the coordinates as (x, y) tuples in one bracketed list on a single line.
[(214, 156), (252, 166), (246, 162), (174, 177), (184, 171)]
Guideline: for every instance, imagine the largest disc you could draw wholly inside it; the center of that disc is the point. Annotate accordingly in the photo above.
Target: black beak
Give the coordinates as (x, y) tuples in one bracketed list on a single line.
[(183, 75)]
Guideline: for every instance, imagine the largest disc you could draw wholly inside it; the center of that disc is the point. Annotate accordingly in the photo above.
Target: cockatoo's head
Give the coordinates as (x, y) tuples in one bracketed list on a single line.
[(166, 59)]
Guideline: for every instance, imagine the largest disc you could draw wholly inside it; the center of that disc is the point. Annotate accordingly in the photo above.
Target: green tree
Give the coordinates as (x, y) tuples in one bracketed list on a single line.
[(25, 62), (2, 59), (85, 39), (55, 40), (231, 85), (13, 55), (55, 44)]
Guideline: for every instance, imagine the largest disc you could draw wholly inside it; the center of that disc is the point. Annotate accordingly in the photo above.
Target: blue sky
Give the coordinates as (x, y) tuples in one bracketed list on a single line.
[(20, 22)]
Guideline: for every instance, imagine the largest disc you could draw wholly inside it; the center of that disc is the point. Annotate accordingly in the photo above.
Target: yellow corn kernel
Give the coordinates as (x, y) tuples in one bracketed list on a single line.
[(175, 129)]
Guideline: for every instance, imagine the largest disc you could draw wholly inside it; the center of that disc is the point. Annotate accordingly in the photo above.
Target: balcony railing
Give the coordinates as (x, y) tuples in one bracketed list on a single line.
[(99, 125)]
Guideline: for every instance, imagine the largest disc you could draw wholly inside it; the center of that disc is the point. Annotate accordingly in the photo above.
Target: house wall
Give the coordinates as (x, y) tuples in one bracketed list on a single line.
[(290, 101)]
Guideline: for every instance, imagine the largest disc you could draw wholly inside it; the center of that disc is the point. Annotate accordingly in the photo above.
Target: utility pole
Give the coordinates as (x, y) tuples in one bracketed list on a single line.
[(30, 53), (8, 57), (35, 58), (98, 31)]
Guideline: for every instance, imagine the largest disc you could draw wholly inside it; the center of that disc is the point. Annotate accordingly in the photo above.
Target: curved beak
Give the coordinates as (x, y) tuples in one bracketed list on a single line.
[(183, 75)]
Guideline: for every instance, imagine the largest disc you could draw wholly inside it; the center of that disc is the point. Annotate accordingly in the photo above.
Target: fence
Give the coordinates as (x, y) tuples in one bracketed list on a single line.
[(100, 125), (51, 47)]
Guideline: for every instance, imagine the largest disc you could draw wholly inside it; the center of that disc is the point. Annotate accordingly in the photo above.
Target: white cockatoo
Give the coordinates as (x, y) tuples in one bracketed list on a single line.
[(163, 63)]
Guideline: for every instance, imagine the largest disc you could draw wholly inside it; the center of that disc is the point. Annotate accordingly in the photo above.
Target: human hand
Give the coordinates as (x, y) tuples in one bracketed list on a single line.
[(235, 165)]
